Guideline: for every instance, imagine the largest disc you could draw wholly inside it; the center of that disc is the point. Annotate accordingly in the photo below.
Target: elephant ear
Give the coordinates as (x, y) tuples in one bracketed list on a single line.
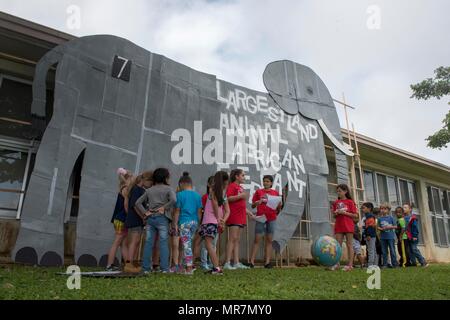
[(295, 88)]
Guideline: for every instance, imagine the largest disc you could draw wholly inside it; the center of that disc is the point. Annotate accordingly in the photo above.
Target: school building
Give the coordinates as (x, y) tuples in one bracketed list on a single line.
[(388, 174)]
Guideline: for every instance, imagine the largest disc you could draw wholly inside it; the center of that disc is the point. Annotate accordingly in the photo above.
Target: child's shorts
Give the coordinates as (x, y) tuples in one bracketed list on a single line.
[(356, 246), (137, 229), (264, 228), (119, 227), (236, 225), (208, 230)]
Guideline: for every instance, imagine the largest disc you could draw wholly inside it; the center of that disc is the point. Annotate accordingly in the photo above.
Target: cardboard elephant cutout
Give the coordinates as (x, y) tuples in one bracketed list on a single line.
[(119, 105)]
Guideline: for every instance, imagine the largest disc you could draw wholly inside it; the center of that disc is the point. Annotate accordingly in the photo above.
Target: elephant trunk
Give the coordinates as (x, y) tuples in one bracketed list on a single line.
[(38, 105)]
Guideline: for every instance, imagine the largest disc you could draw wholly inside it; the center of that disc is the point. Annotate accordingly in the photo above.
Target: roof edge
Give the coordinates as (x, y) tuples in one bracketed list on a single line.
[(33, 29), (402, 153)]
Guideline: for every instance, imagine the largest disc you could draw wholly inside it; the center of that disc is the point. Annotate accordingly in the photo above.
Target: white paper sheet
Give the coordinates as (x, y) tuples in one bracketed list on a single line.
[(273, 201)]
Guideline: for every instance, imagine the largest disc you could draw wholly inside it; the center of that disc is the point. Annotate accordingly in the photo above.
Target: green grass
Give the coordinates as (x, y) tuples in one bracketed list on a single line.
[(19, 282)]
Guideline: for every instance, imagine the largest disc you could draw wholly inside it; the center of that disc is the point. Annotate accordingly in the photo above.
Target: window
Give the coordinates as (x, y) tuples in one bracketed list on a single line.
[(15, 107), (369, 186), (383, 195), (14, 167), (392, 192), (439, 206), (446, 206), (413, 195), (445, 202), (404, 192)]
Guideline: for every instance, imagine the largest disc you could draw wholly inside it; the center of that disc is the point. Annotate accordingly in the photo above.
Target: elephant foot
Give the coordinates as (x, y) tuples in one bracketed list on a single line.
[(37, 248), (88, 255)]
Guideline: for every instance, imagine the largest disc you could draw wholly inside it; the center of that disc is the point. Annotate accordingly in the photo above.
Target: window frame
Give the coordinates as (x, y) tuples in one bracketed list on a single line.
[(28, 150), (20, 80), (436, 216)]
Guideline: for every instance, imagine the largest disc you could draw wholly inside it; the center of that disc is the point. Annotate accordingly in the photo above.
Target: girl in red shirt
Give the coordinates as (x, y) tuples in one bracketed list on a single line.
[(345, 212), (259, 201), (237, 220)]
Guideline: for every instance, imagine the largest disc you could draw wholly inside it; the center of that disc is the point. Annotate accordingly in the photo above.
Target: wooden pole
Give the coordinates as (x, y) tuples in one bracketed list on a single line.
[(246, 219), (287, 252), (352, 172), (300, 240), (358, 158)]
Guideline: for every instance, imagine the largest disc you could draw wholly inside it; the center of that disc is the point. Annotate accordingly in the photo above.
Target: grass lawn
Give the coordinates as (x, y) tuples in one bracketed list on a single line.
[(19, 282)]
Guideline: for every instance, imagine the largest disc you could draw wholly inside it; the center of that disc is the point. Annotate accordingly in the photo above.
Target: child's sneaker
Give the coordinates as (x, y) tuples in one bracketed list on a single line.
[(228, 266), (131, 268), (216, 271), (188, 273), (334, 268), (425, 265), (347, 268), (112, 267), (205, 267), (239, 265), (175, 269)]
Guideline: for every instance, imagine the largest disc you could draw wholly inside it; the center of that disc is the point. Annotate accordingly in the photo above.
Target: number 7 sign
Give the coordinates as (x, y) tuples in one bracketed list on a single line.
[(121, 68)]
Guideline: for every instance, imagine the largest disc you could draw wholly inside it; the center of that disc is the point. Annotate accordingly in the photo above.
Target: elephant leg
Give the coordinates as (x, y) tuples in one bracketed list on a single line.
[(319, 208), (98, 194), (41, 235)]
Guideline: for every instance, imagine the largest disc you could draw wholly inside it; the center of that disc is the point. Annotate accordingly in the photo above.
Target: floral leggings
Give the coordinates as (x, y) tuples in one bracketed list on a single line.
[(187, 232)]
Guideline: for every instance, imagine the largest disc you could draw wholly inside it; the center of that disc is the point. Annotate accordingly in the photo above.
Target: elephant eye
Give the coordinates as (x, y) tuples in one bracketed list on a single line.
[(310, 90)]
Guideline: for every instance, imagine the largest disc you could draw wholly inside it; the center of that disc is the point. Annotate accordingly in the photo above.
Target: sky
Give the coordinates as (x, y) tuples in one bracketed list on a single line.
[(368, 51)]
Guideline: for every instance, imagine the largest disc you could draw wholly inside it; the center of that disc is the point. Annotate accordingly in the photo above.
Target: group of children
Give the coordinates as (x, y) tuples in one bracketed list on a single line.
[(147, 202), (170, 218), (380, 231)]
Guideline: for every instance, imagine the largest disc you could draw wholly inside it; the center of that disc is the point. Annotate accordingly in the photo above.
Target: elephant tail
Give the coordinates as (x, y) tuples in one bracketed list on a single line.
[(38, 106)]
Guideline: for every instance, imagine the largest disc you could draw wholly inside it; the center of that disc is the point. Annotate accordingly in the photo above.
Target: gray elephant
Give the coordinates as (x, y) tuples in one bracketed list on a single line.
[(119, 105), (113, 103)]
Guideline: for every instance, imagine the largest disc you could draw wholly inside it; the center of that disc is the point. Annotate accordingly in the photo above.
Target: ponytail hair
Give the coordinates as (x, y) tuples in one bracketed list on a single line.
[(209, 184), (234, 173), (144, 176), (185, 179), (125, 178), (219, 180)]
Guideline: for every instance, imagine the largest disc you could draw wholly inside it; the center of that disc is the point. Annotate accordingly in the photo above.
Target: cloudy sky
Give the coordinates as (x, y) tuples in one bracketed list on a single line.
[(370, 51)]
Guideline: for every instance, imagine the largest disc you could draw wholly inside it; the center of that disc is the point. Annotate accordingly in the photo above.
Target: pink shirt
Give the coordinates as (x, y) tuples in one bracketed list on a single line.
[(208, 215)]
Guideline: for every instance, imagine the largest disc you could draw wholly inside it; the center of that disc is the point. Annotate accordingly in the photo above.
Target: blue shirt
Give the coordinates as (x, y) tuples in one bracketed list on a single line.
[(189, 202), (386, 221)]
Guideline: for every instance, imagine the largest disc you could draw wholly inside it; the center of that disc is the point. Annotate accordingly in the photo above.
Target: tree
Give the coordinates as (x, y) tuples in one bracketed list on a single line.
[(436, 87)]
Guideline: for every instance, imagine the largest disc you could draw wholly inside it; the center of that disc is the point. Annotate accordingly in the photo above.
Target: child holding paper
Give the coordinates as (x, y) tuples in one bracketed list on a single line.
[(261, 201)]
